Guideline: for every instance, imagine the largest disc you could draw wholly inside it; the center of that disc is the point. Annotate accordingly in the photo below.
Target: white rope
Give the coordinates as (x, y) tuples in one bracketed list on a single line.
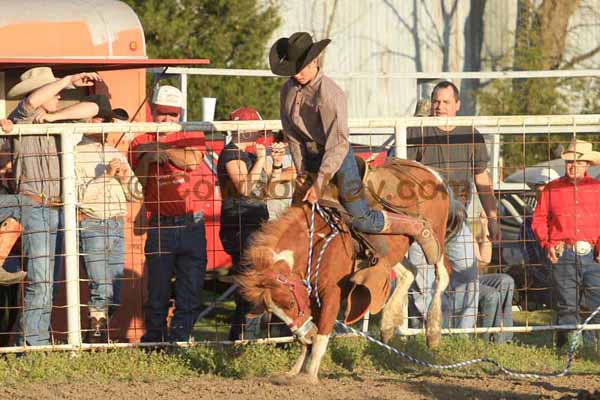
[(462, 364), (474, 361), (311, 231)]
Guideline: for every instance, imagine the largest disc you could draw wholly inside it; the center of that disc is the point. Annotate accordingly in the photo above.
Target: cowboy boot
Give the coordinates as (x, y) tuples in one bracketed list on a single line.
[(418, 228), (10, 230)]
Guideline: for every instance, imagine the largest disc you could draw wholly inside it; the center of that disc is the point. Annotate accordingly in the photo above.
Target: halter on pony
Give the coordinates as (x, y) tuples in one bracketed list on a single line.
[(301, 290), (299, 293)]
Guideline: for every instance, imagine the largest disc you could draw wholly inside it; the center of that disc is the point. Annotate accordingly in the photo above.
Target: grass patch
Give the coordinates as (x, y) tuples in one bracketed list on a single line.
[(62, 367), (345, 356)]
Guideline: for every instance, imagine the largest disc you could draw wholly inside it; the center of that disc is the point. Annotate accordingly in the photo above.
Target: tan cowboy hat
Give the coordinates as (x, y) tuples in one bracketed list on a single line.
[(580, 150), (31, 80)]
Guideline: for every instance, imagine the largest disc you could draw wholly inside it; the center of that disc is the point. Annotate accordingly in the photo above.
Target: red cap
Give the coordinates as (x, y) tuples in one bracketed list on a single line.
[(162, 109), (245, 114)]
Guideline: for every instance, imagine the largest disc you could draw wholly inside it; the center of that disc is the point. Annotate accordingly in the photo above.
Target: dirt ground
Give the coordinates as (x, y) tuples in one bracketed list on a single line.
[(408, 386)]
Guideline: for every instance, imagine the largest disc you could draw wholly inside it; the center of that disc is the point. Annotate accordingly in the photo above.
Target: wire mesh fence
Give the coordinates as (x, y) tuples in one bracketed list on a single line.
[(88, 258)]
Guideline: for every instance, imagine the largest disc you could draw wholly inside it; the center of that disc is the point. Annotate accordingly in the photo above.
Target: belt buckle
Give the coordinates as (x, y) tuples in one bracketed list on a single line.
[(582, 247)]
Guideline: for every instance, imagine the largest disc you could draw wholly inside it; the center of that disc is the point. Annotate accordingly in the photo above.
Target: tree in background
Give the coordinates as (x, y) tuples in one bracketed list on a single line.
[(540, 44), (231, 33)]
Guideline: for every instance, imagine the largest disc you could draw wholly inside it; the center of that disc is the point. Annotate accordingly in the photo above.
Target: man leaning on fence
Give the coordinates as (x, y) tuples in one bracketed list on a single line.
[(565, 222), (460, 155), (105, 183), (168, 166), (37, 173)]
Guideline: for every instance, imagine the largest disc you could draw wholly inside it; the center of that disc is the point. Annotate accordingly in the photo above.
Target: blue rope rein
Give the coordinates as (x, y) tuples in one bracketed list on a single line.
[(334, 232), (488, 360), (463, 364)]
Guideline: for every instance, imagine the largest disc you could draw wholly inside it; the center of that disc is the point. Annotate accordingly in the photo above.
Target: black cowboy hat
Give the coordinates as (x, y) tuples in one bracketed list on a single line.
[(106, 112), (288, 56)]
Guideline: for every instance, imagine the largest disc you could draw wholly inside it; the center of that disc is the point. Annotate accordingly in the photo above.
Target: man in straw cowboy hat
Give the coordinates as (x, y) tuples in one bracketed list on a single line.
[(565, 223), (37, 177), (314, 115)]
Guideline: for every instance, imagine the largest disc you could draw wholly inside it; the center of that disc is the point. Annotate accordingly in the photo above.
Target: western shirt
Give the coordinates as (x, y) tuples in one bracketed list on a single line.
[(102, 196), (568, 212), (316, 112), (458, 155), (36, 166)]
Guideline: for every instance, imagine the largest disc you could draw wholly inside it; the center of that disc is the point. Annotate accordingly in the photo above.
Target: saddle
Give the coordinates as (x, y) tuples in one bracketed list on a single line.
[(389, 187)]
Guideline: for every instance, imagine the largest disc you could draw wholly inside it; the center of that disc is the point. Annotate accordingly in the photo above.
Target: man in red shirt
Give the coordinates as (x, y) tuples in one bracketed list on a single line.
[(167, 165), (565, 223)]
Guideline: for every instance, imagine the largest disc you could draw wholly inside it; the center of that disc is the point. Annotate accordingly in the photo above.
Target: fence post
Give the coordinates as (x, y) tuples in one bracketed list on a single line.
[(365, 322), (400, 139), (183, 81), (69, 191), (495, 161)]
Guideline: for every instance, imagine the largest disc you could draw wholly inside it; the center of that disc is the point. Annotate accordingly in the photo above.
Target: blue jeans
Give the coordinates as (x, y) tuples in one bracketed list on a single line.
[(40, 225), (349, 183), (495, 304), (463, 290), (240, 219), (175, 246), (102, 245), (12, 205), (576, 282)]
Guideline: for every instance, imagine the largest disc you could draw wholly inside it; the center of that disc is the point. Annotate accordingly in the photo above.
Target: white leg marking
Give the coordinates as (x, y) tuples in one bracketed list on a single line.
[(434, 315), (395, 312), (317, 352), (297, 367)]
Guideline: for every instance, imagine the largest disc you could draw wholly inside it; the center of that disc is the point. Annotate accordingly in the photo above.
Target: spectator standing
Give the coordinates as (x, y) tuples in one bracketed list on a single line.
[(37, 176), (565, 223), (168, 167), (279, 192), (244, 176), (105, 183), (460, 155)]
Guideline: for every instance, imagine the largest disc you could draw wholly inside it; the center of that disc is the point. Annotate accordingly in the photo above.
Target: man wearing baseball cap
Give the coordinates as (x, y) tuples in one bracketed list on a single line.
[(565, 223), (105, 184), (168, 165)]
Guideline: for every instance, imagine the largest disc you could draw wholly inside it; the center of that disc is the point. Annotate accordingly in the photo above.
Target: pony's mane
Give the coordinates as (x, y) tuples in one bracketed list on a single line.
[(260, 252)]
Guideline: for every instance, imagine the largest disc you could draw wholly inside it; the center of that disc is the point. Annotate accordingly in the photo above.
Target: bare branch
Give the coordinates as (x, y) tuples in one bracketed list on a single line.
[(397, 14), (438, 36), (329, 25), (582, 57)]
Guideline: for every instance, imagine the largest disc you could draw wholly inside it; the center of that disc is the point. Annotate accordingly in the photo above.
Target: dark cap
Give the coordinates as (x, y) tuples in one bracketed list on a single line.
[(106, 112)]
